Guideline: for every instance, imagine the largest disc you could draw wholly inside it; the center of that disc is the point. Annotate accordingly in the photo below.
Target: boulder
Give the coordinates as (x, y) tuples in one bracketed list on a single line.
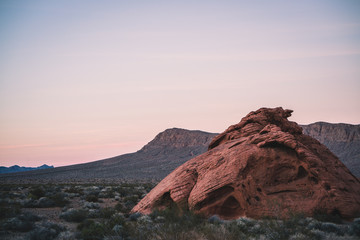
[(262, 166)]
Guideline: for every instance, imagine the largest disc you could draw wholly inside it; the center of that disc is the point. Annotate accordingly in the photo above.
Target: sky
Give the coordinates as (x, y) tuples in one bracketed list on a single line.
[(86, 80)]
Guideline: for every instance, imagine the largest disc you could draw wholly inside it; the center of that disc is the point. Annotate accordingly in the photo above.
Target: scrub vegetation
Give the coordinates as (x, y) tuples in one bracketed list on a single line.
[(92, 212)]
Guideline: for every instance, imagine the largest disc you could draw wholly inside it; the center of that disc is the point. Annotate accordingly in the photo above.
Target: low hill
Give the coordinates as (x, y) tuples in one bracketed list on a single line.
[(168, 150)]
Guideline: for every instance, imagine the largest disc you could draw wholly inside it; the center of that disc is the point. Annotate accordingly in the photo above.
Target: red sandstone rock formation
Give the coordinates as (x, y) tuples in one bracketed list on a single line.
[(262, 166)]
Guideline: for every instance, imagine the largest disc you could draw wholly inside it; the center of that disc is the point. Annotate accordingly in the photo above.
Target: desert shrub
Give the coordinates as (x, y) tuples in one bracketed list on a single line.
[(123, 191), (91, 230), (231, 231), (46, 231), (6, 188), (109, 194), (74, 215), (329, 227), (67, 235), (91, 205), (288, 228), (36, 192), (16, 224), (355, 227), (74, 189), (115, 219), (298, 236), (174, 223), (9, 210), (148, 186), (91, 198), (122, 208), (107, 212), (323, 216), (44, 202), (29, 217), (93, 190), (21, 223), (59, 199), (129, 205), (85, 223), (134, 216), (133, 198), (182, 218)]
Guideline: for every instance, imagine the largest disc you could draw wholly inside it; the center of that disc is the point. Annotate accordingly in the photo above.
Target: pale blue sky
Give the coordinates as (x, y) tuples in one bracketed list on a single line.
[(85, 80)]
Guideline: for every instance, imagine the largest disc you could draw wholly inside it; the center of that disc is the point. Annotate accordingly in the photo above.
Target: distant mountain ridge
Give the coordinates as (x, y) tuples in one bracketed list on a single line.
[(173, 147), (342, 139), (168, 150), (17, 168)]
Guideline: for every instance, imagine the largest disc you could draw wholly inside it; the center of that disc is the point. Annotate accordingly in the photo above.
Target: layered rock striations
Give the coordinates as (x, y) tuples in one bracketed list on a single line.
[(262, 166)]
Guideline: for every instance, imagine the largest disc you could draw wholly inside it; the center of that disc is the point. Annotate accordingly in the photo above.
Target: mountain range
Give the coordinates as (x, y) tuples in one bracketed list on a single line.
[(173, 147), (17, 168), (342, 139), (168, 150)]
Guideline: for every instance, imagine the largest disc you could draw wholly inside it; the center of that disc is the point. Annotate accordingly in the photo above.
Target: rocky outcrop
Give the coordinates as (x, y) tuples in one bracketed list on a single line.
[(261, 166)]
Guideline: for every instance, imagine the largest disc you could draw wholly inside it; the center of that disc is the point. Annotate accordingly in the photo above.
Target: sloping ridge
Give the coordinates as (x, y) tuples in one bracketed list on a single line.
[(164, 153)]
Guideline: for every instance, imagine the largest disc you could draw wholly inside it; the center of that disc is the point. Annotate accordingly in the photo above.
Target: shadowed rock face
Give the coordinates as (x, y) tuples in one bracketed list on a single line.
[(263, 165)]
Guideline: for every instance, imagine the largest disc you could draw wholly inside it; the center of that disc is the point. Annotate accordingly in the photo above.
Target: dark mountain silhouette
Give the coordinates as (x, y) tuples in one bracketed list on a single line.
[(17, 168), (172, 147)]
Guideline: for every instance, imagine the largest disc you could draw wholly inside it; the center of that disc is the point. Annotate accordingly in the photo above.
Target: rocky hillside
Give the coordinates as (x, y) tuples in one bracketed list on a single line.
[(168, 150), (342, 139)]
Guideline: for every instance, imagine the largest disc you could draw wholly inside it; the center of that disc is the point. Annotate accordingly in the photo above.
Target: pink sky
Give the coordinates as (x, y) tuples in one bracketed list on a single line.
[(82, 81)]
